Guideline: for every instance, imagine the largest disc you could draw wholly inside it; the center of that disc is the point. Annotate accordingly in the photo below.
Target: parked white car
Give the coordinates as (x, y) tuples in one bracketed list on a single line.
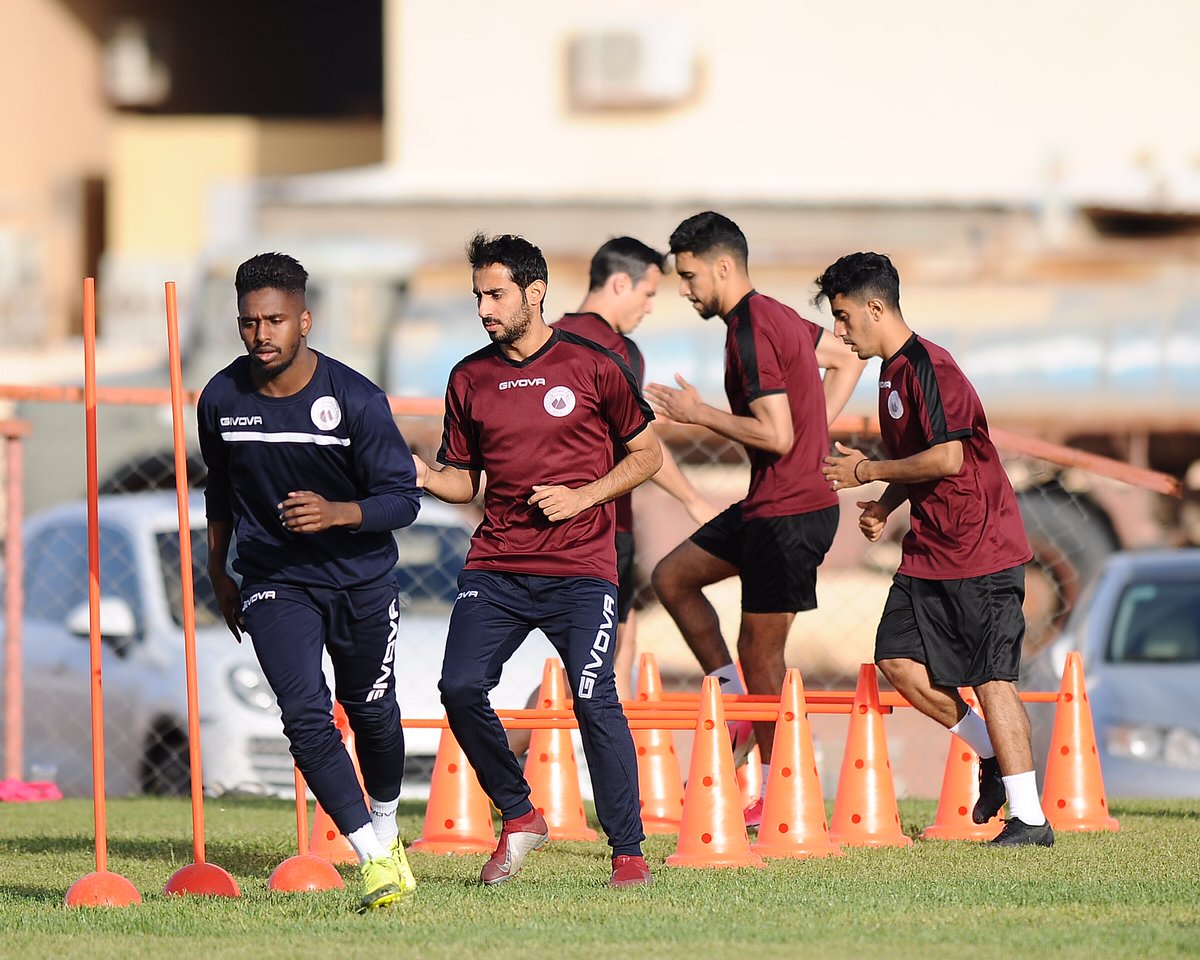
[(1137, 629), (145, 703)]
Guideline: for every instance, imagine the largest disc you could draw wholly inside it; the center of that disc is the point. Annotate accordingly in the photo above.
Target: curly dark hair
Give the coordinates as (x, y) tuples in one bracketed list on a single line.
[(524, 261), (862, 276), (275, 271), (710, 232)]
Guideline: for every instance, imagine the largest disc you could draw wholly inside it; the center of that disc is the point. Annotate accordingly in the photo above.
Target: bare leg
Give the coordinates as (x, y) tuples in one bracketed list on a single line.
[(626, 655), (760, 652), (911, 679), (678, 580), (1007, 724)]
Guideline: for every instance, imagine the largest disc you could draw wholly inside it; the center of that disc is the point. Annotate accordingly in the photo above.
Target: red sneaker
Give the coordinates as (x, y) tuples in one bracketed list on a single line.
[(519, 837), (628, 871), (753, 813)]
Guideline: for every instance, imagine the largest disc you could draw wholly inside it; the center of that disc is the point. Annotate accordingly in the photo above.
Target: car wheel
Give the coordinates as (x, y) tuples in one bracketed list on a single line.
[(166, 767), (1070, 537)]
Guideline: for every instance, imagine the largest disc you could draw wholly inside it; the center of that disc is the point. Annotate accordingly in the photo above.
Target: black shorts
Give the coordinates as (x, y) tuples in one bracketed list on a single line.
[(625, 584), (777, 557), (966, 632)]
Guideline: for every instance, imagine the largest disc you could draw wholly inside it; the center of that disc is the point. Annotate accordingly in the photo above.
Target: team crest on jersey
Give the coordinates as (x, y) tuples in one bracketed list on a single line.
[(895, 406), (325, 413), (559, 401)]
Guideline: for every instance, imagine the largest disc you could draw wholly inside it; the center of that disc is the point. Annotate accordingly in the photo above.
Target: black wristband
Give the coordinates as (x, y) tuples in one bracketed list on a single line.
[(856, 466)]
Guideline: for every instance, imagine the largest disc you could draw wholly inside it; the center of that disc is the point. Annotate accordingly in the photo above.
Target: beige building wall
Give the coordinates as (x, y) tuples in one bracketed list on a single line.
[(163, 169), (55, 127), (876, 99)]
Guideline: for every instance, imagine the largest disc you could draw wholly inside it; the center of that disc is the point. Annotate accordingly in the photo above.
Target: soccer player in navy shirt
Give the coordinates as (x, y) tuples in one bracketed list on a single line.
[(779, 410), (307, 469), (953, 617), (537, 411)]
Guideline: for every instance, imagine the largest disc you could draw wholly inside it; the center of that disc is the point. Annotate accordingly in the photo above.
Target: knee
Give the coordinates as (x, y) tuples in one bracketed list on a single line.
[(897, 672), (666, 580), (374, 719), (461, 690)]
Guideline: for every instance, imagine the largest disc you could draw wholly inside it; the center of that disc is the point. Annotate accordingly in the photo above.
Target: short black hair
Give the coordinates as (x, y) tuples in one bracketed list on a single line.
[(275, 271), (863, 276), (707, 232), (524, 261), (622, 255)]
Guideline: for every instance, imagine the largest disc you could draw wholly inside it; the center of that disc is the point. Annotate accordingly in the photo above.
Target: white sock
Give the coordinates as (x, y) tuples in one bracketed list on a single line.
[(731, 680), (1023, 802), (766, 769), (973, 732), (383, 819), (366, 844)]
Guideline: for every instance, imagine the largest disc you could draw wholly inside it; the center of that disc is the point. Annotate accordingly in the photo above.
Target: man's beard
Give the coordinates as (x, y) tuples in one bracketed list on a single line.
[(710, 308), (517, 326), (270, 373)]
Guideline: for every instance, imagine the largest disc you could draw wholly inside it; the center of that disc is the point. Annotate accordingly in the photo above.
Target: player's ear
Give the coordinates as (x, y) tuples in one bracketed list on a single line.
[(305, 323), (875, 308), (620, 283), (535, 293)]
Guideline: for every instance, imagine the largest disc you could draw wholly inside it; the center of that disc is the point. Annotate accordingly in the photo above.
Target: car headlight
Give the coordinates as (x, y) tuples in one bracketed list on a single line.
[(250, 686), (1171, 746)]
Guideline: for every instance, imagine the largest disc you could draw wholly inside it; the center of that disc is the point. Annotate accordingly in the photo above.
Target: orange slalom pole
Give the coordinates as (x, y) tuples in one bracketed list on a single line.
[(825, 698), (14, 681), (198, 877), (100, 888)]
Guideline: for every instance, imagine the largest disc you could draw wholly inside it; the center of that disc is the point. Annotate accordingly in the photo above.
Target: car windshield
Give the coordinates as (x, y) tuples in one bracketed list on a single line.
[(1157, 623), (207, 612), (427, 572)]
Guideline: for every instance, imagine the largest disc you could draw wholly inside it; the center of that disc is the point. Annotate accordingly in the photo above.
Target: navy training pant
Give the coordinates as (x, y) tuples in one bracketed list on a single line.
[(492, 616), (290, 627)]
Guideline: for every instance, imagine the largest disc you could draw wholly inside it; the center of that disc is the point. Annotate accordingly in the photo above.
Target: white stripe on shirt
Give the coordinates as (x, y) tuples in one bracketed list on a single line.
[(256, 436)]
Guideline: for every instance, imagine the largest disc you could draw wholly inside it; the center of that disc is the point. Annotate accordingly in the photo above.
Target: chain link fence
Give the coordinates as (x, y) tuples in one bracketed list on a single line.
[(145, 703)]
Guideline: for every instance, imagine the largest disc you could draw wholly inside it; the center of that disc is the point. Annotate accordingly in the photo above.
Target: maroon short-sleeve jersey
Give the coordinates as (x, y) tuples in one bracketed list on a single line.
[(770, 348), (592, 326), (550, 419), (967, 525)]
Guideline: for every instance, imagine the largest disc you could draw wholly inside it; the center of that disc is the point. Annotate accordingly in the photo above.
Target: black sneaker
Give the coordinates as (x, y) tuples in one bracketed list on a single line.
[(1017, 833), (991, 791)]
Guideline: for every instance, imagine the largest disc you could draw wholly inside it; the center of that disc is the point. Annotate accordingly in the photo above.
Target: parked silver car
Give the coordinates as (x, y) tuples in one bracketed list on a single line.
[(145, 701), (1137, 628)]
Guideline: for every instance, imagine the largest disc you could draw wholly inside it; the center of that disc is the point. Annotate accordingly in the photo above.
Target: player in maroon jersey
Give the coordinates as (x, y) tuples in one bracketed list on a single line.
[(780, 409), (537, 411), (953, 617), (623, 279)]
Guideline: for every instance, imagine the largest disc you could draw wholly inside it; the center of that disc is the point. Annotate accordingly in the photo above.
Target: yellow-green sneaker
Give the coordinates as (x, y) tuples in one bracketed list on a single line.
[(408, 883), (382, 885)]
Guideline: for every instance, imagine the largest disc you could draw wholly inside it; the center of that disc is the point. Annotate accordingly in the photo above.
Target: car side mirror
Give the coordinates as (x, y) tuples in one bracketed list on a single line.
[(118, 626)]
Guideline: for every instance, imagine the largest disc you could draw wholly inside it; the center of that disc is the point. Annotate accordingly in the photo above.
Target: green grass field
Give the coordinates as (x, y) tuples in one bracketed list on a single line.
[(1135, 893)]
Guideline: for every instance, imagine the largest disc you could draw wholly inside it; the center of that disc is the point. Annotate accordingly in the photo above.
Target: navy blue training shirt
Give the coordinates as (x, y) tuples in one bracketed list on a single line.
[(337, 438)]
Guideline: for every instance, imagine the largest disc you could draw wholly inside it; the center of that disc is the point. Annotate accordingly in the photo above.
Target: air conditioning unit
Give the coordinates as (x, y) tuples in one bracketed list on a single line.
[(635, 67)]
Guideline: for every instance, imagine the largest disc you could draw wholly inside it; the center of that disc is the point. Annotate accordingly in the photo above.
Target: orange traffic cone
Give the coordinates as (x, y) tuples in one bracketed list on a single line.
[(865, 812), (458, 816), (660, 783), (793, 817), (326, 840), (960, 790), (712, 832), (550, 766), (1073, 796)]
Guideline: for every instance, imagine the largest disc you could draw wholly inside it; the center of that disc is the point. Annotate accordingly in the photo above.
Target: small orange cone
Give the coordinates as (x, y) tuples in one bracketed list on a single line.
[(303, 873), (458, 816), (1073, 796), (550, 766), (960, 790), (793, 817), (865, 812), (326, 840), (712, 832), (660, 783)]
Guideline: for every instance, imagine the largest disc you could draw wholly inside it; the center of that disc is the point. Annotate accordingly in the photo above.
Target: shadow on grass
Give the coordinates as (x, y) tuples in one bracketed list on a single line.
[(238, 858), (47, 895)]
